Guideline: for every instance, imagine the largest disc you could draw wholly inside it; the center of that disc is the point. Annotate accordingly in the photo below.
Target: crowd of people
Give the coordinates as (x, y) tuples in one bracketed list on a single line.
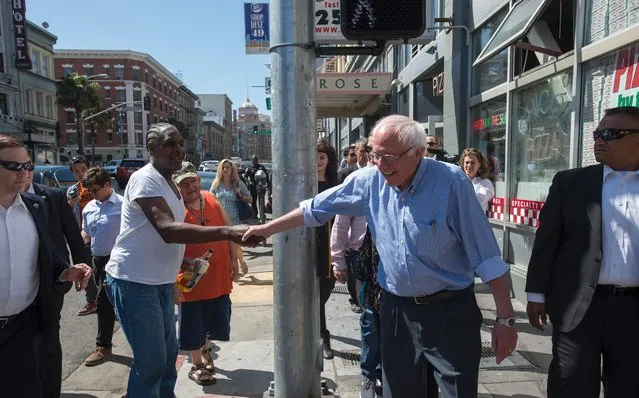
[(406, 232)]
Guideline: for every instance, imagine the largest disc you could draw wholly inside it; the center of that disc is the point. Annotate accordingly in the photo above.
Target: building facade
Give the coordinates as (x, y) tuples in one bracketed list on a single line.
[(37, 85), (190, 119), (527, 86), (131, 77), (218, 113), (248, 143), (10, 93)]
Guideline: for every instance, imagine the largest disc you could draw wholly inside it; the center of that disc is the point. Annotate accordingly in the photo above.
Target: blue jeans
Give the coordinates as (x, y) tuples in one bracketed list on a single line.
[(371, 359), (146, 314)]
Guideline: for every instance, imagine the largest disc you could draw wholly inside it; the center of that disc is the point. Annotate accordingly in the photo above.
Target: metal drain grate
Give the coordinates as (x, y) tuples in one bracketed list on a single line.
[(487, 350), (340, 289), (350, 357)]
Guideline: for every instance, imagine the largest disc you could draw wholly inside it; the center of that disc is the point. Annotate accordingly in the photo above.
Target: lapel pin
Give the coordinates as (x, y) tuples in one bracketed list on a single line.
[(43, 197), (36, 205)]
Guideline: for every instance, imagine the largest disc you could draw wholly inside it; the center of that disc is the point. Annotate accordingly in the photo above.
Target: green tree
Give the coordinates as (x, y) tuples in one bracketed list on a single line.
[(180, 126), (78, 92)]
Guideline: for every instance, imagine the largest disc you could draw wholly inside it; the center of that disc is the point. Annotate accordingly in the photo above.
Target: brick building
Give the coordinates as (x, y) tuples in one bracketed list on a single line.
[(131, 76)]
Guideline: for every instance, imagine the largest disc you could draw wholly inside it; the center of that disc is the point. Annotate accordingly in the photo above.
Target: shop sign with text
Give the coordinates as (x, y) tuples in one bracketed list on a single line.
[(625, 86), (20, 32), (496, 120), (353, 83), (256, 28)]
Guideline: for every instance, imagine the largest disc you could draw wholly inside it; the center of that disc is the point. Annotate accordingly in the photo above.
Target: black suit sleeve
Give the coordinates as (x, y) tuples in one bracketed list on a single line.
[(71, 229), (547, 240)]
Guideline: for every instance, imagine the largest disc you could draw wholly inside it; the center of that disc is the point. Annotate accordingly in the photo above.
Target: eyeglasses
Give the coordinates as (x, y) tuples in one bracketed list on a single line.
[(15, 166), (95, 190), (390, 159), (431, 143), (352, 154), (613, 134)]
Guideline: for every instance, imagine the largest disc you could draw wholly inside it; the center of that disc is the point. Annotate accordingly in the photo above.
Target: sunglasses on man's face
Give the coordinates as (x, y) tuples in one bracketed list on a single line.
[(613, 134), (15, 166)]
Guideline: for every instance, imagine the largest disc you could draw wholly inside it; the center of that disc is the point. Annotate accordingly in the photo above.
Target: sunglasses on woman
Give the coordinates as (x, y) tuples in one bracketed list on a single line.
[(613, 134), (15, 166)]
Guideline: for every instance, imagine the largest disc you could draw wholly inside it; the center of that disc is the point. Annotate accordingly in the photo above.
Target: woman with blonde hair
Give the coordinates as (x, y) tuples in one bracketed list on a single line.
[(229, 190), (475, 165)]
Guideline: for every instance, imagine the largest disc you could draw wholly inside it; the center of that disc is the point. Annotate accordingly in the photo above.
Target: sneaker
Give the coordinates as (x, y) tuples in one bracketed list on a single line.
[(90, 308), (367, 390), (100, 355)]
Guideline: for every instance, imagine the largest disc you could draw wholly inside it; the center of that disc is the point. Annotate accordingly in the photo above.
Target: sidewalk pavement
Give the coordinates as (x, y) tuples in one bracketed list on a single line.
[(245, 364)]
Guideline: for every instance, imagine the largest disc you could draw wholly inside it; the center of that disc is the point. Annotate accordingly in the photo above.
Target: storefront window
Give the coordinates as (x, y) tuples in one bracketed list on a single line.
[(607, 17), (429, 98), (541, 144), (609, 82), (493, 71)]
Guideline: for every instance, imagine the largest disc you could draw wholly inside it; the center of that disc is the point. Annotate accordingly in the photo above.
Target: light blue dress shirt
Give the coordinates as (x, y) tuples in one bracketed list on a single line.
[(101, 221), (432, 236)]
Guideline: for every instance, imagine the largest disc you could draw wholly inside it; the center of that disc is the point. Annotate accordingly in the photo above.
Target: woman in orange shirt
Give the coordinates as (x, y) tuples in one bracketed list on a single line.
[(205, 311)]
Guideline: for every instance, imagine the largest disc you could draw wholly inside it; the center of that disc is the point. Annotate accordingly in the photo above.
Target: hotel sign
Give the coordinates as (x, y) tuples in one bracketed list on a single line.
[(353, 83), (20, 29)]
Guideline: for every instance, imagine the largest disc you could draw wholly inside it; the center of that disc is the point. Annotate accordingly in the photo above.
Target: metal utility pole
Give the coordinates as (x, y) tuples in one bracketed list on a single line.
[(296, 287)]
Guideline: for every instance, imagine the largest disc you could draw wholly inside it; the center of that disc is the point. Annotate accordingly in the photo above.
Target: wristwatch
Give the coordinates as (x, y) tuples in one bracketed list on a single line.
[(510, 321)]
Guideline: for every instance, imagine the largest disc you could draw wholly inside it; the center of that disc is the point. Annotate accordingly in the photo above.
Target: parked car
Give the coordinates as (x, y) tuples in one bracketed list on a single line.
[(112, 166), (208, 165), (206, 179), (53, 175), (126, 168)]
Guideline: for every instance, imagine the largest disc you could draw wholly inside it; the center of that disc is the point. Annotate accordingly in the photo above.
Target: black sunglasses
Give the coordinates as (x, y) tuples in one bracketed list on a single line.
[(15, 166), (78, 159), (95, 190), (613, 134)]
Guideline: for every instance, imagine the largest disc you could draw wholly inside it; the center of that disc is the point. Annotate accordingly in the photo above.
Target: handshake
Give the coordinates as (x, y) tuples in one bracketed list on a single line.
[(237, 232)]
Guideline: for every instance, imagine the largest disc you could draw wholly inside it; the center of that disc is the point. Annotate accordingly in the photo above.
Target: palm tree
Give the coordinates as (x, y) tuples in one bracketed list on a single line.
[(78, 92)]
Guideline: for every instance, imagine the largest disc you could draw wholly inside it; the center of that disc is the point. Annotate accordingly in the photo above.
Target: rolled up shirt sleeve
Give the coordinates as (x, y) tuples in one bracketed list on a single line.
[(348, 199), (339, 241), (536, 297), (469, 223)]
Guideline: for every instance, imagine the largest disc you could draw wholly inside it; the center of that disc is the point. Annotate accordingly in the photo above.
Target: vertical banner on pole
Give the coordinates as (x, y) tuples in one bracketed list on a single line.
[(256, 28)]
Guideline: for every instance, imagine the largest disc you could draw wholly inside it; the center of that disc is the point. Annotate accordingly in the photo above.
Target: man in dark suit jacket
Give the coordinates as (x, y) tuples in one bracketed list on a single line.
[(64, 230), (20, 318), (584, 267)]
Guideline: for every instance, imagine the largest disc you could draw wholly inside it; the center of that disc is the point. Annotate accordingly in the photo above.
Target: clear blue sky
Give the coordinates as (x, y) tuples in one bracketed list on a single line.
[(203, 39)]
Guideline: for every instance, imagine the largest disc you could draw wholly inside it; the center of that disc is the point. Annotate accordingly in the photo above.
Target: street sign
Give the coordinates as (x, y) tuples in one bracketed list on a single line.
[(268, 103), (267, 85), (127, 109), (264, 132)]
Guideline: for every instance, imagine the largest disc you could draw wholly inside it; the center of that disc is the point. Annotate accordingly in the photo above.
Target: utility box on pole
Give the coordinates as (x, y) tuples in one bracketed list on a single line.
[(298, 359)]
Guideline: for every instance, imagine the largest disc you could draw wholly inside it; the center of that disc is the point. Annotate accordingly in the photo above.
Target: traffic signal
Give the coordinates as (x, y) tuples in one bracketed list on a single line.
[(382, 19), (147, 103), (255, 129)]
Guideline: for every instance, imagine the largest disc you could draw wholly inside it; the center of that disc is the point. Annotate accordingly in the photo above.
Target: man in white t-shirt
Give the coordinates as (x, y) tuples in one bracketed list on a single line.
[(145, 260)]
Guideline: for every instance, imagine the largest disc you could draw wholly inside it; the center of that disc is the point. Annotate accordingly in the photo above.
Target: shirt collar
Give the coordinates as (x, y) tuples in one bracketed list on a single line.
[(607, 170), (421, 170), (112, 199), (30, 190)]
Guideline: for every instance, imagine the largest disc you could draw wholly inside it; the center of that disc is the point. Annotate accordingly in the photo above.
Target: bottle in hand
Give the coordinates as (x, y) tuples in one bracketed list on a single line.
[(190, 275)]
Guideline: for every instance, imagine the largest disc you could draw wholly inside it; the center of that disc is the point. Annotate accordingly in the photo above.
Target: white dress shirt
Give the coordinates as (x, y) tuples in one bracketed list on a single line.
[(19, 274), (619, 230), (484, 191)]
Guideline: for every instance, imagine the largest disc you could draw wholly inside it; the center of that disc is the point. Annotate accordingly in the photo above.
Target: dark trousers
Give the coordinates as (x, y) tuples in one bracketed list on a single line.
[(326, 286), (91, 291), (104, 310), (253, 192), (49, 353), (445, 333), (609, 329), (352, 260), (18, 360)]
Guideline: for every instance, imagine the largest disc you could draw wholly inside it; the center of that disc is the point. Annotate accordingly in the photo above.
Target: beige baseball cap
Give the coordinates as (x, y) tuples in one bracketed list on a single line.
[(187, 171)]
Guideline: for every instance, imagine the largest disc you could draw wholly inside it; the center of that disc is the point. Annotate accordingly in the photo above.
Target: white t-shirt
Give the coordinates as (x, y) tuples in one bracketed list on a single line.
[(140, 255)]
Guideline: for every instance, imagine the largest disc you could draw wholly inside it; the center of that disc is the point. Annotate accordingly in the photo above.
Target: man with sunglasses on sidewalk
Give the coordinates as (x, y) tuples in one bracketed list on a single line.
[(29, 273), (100, 227), (584, 267), (79, 197)]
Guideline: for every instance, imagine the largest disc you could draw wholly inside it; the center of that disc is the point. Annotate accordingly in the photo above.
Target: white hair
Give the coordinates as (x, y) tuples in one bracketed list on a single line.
[(408, 131)]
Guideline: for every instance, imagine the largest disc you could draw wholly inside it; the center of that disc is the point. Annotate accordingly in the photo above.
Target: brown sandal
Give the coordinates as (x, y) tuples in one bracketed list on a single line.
[(208, 360), (201, 376)]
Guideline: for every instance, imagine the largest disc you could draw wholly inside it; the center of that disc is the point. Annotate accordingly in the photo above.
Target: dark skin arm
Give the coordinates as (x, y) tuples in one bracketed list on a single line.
[(159, 214)]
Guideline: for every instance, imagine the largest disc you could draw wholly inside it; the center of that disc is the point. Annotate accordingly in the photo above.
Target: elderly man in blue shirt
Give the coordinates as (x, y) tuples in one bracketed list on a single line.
[(432, 237), (101, 226)]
